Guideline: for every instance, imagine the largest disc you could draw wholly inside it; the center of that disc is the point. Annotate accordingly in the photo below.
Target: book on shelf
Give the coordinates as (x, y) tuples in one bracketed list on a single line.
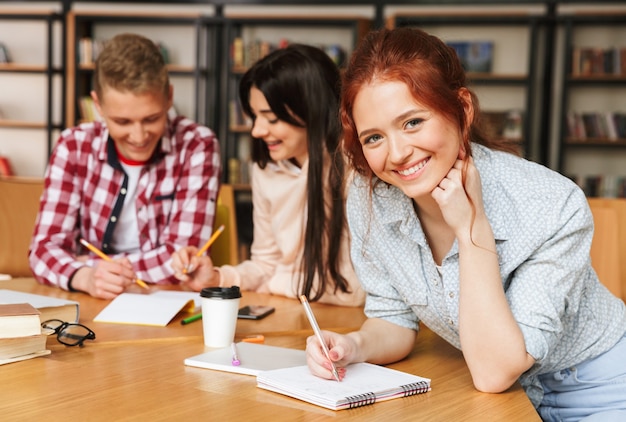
[(89, 49), (48, 307), (5, 55), (336, 53), (20, 333), (591, 125), (164, 52), (593, 186), (607, 125), (475, 56), (506, 124), (574, 126), (237, 118), (363, 384), (601, 185), (5, 166), (253, 358), (240, 167), (236, 52), (88, 110), (598, 61), (244, 54), (234, 171)]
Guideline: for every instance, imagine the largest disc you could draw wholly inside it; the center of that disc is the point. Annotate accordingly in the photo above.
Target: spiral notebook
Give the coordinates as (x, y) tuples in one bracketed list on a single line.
[(363, 384)]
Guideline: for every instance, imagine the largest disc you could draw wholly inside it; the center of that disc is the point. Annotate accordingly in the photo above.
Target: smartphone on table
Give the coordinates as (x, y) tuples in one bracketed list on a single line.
[(254, 311)]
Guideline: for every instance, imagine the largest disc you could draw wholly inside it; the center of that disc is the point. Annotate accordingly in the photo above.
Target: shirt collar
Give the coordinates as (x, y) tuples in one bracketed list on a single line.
[(495, 198), (495, 194), (106, 151), (286, 166)]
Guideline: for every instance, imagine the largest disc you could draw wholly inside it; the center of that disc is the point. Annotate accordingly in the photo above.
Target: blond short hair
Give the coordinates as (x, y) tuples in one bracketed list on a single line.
[(131, 63)]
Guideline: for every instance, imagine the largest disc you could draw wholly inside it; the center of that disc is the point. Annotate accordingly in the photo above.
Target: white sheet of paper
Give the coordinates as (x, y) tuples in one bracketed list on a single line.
[(156, 309), (176, 294)]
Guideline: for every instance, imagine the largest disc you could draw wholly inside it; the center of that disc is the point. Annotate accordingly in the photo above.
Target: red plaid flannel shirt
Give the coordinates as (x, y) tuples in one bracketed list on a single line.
[(175, 204)]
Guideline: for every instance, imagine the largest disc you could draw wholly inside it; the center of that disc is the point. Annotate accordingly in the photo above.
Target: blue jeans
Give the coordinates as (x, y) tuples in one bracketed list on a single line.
[(593, 391)]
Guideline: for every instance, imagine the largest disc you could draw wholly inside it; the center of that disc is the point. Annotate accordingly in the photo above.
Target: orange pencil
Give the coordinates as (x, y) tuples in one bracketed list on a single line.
[(208, 244), (101, 254)]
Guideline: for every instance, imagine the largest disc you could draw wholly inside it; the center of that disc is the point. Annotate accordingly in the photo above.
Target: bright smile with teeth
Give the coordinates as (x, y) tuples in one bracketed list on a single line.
[(414, 169), (138, 146)]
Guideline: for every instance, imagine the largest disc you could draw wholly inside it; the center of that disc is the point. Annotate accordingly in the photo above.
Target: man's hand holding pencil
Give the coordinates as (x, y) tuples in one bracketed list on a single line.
[(106, 258), (107, 278)]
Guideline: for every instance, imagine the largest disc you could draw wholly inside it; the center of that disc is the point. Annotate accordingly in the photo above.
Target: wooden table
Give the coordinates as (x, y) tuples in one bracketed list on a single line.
[(137, 373)]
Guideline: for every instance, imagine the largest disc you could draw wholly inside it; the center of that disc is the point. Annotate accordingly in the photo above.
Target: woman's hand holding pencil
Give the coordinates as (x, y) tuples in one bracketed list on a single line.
[(206, 246), (193, 267)]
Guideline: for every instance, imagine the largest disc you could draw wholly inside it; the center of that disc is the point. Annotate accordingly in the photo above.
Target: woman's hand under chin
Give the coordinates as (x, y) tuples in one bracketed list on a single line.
[(460, 203)]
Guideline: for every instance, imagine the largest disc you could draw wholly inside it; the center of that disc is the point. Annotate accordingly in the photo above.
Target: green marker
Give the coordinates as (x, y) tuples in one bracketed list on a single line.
[(191, 319)]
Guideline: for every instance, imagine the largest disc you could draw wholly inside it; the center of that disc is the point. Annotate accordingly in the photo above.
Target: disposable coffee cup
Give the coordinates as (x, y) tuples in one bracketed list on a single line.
[(219, 315)]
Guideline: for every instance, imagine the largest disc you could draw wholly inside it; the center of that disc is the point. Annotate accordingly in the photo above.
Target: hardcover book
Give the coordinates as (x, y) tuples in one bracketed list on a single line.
[(25, 357), (475, 56), (14, 347), (49, 307), (19, 320), (20, 333)]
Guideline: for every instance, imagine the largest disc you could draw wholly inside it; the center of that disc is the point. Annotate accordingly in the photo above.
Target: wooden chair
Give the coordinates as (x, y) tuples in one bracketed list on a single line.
[(19, 205), (609, 243), (225, 249)]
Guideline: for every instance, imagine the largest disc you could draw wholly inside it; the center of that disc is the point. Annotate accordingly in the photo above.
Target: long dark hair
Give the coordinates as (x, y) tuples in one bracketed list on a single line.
[(302, 82)]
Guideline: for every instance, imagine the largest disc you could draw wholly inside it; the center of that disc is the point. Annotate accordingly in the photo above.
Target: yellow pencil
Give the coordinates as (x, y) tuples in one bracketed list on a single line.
[(101, 254), (208, 244)]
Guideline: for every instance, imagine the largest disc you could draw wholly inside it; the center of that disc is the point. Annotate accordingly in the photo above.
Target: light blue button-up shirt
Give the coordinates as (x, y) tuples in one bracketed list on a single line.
[(543, 229)]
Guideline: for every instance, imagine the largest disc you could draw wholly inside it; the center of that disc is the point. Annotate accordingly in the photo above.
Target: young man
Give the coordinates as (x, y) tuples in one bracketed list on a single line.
[(138, 185)]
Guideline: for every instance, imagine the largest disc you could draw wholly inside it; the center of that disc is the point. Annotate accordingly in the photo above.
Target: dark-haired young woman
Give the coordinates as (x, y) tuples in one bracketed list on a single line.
[(300, 242)]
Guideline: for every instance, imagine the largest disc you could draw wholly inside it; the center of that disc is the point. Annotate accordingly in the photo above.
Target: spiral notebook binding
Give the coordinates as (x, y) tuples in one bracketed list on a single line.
[(361, 400), (415, 388)]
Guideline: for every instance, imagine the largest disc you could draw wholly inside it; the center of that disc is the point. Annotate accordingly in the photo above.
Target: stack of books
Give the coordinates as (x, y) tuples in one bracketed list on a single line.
[(20, 333), (598, 61), (49, 307), (599, 126)]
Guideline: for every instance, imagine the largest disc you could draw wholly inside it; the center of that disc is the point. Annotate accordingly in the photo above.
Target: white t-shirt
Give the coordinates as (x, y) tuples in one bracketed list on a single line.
[(126, 235)]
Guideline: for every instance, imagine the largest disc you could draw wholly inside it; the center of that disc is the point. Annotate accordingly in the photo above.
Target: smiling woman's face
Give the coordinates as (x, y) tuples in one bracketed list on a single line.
[(284, 140), (405, 144)]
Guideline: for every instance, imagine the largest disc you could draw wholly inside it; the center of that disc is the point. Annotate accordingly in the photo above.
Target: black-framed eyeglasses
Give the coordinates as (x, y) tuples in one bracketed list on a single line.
[(69, 334)]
